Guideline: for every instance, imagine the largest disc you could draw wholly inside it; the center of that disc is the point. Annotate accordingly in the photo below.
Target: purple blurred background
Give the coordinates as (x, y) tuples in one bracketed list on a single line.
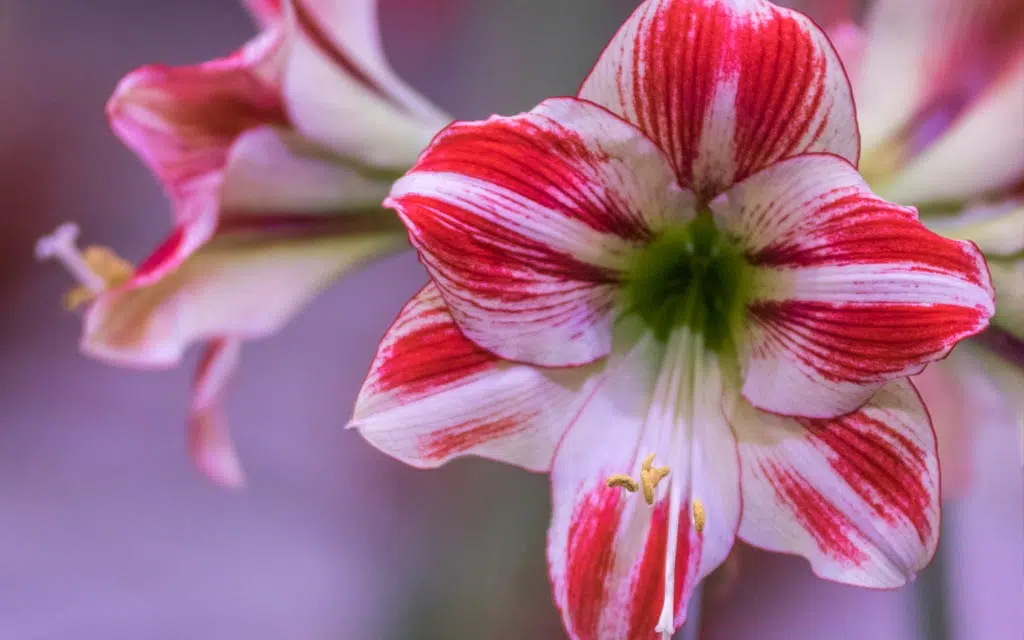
[(106, 532)]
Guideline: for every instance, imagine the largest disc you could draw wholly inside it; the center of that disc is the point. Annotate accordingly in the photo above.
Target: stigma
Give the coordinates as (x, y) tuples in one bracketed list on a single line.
[(96, 269), (650, 476)]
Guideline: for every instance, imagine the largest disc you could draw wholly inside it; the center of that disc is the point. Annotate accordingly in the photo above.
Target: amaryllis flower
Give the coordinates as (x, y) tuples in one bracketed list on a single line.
[(939, 87), (676, 293), (276, 159)]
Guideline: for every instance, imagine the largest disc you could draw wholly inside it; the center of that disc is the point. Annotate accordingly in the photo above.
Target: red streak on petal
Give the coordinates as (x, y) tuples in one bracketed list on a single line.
[(784, 79), (859, 229), (830, 527), (671, 111), (444, 443), (591, 556), (323, 41), (544, 162), (851, 342), (433, 355), (886, 469), (457, 237), (649, 584), (166, 252)]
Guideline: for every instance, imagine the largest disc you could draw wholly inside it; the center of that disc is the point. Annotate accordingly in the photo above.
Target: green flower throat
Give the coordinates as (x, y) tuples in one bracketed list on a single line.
[(692, 275)]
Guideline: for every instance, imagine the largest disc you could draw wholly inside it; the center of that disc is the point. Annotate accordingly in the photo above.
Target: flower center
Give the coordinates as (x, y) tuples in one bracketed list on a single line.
[(691, 275)]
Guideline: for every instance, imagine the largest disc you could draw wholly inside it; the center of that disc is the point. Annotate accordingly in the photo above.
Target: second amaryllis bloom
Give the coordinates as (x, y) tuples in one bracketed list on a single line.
[(275, 159), (676, 293)]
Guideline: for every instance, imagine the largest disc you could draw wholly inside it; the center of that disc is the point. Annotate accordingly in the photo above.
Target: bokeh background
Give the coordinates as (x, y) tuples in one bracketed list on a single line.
[(107, 533)]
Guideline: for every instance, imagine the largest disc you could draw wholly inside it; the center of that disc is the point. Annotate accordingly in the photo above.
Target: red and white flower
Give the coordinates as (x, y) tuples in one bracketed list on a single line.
[(276, 159), (939, 86), (679, 276)]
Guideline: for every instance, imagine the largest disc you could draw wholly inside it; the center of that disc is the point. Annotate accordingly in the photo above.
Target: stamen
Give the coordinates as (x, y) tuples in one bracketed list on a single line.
[(650, 476), (97, 268), (623, 481), (699, 518)]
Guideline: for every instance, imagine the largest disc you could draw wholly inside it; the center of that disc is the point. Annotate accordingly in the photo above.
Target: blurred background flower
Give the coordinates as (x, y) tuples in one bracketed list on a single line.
[(107, 533)]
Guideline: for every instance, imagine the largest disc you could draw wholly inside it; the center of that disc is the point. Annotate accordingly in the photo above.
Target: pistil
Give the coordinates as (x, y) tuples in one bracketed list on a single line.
[(96, 268), (693, 276)]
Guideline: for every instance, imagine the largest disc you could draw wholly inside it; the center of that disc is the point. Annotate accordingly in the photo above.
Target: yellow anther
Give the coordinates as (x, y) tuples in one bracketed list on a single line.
[(698, 515), (650, 476), (623, 481)]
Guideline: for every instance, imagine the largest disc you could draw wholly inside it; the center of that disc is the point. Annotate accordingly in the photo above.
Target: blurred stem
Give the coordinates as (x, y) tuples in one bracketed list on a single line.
[(691, 630), (932, 587)]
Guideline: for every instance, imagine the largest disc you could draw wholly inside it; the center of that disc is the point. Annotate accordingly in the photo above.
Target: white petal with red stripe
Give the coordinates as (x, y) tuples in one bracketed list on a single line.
[(431, 395), (527, 222), (726, 87), (182, 121), (858, 495), (612, 556), (849, 290)]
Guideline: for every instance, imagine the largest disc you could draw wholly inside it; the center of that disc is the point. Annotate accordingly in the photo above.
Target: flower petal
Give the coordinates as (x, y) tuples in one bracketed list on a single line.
[(274, 170), (982, 152), (247, 282), (858, 495), (432, 395), (963, 398), (182, 120), (266, 12), (341, 92), (1008, 280), (726, 87), (611, 555), (922, 51), (850, 291), (997, 228), (209, 441), (526, 222)]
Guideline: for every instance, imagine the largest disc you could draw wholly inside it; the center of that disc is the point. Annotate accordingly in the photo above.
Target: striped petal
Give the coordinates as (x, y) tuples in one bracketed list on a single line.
[(612, 556), (849, 290), (526, 222), (182, 121), (726, 87), (340, 91), (432, 395), (858, 495), (247, 282)]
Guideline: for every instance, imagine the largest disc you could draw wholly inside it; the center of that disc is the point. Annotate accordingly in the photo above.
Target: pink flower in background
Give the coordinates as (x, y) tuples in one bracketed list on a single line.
[(275, 159), (679, 282), (939, 87)]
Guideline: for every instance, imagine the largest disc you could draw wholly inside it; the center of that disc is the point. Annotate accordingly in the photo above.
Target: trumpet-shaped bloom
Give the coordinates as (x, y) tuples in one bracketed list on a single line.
[(276, 159), (679, 282)]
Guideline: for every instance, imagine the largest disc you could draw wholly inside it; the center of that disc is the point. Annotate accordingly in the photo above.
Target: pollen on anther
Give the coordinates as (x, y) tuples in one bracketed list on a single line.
[(699, 517), (623, 481), (650, 476)]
